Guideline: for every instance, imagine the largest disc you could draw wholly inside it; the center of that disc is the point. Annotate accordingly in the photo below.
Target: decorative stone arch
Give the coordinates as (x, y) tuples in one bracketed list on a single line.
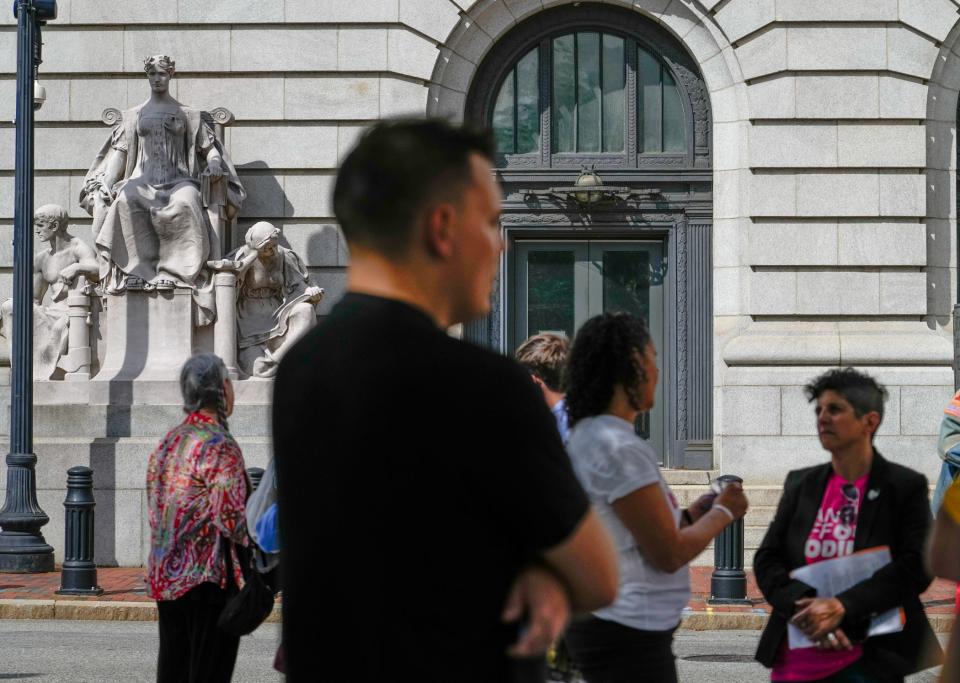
[(942, 188), (488, 22)]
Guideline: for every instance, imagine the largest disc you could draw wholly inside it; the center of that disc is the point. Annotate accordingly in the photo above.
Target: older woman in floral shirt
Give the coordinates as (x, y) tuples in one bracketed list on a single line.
[(196, 491)]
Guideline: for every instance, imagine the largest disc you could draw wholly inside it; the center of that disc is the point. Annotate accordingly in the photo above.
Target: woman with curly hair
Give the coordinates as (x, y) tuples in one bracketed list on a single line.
[(611, 379)]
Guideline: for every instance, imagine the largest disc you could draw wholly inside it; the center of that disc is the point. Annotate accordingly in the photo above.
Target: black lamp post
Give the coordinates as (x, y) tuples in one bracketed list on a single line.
[(22, 547)]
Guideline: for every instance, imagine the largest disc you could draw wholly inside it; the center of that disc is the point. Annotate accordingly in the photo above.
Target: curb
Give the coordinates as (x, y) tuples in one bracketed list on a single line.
[(113, 610), (89, 610)]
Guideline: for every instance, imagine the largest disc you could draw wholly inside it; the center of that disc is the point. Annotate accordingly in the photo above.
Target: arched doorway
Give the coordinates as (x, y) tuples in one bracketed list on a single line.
[(594, 91)]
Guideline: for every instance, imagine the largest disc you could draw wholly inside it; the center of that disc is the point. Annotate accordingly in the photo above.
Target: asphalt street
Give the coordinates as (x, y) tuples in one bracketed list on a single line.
[(100, 651)]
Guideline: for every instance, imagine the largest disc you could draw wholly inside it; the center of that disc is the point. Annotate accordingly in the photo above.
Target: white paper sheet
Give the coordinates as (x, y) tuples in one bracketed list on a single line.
[(832, 577)]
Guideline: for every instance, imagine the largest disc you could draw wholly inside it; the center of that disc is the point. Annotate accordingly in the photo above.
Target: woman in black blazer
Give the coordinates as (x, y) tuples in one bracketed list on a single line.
[(881, 504)]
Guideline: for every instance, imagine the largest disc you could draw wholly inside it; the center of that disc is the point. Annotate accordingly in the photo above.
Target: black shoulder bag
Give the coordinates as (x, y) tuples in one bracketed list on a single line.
[(249, 606)]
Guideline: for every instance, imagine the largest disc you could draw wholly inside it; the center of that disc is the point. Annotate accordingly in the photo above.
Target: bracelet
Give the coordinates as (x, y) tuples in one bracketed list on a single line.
[(725, 510)]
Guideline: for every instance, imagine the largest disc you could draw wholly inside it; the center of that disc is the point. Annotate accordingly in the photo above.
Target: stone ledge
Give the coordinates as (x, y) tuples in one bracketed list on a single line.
[(833, 343), (91, 610)]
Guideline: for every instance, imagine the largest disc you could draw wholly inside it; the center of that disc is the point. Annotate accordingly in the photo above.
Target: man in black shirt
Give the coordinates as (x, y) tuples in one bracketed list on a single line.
[(425, 496)]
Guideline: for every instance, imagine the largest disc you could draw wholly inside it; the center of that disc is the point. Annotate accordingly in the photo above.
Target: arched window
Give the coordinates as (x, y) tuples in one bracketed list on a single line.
[(593, 94)]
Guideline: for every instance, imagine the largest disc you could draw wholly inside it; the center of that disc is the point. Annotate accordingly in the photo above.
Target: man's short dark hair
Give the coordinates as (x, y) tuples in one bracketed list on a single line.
[(860, 390), (545, 356), (397, 169)]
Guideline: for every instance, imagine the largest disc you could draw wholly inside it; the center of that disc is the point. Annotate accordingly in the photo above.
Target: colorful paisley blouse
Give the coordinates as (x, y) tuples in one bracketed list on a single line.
[(196, 493)]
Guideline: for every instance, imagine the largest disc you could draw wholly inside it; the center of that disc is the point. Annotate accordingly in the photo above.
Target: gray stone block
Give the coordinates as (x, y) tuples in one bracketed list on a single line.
[(399, 98), (84, 51), (890, 145), (250, 98), (679, 18), (347, 137), (333, 98), (230, 11), (345, 11), (773, 194), (916, 452), (730, 237), (767, 459), (902, 194), (453, 71), (835, 48), (829, 10), (903, 293), (762, 54), (882, 244), (494, 18), (317, 245), (309, 196), (265, 196), (939, 235), (520, 9), (750, 411), (791, 145), (838, 293), (362, 49), (773, 292), (65, 149), (941, 191), (731, 291), (334, 282), (793, 244), (941, 147), (46, 190), (941, 292), (446, 103), (87, 98), (742, 17), (773, 98), (432, 18), (469, 41), (127, 12), (410, 54), (283, 49), (910, 53), (285, 147), (922, 409), (828, 96), (902, 98), (838, 194), (933, 17), (195, 49)]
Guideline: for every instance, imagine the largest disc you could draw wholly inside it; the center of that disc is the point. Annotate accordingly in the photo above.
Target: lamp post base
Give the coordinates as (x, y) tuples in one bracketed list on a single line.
[(24, 553)]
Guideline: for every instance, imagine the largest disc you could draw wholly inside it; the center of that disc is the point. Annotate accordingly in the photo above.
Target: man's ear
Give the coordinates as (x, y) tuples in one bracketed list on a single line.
[(872, 421), (439, 228)]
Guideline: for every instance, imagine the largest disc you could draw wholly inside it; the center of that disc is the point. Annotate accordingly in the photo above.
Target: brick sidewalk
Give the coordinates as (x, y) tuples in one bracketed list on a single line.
[(127, 585)]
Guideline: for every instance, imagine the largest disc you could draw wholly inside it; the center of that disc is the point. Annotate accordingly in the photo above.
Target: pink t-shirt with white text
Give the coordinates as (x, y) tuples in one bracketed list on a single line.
[(831, 536)]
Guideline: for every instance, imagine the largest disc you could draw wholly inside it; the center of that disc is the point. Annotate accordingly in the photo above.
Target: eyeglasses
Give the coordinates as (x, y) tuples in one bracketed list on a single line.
[(848, 513)]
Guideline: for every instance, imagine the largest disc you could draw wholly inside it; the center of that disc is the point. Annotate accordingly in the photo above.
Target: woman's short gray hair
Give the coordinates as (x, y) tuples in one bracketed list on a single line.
[(201, 384)]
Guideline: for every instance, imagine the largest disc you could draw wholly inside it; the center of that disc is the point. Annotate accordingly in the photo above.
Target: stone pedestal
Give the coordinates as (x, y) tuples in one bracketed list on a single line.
[(78, 361), (149, 335), (225, 329)]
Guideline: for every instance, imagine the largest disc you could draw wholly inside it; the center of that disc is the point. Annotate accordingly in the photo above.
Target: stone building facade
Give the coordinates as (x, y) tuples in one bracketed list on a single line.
[(793, 206)]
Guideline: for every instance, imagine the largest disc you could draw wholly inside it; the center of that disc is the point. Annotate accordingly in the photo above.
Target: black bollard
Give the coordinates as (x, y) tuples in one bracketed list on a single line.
[(255, 474), (728, 584), (79, 575)]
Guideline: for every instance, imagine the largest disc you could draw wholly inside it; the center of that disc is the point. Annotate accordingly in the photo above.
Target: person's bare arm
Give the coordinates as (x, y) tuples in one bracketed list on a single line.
[(586, 562), (86, 261), (943, 549), (648, 517)]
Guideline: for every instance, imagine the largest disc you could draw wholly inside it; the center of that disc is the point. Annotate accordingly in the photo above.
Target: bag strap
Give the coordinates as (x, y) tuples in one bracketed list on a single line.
[(227, 546)]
